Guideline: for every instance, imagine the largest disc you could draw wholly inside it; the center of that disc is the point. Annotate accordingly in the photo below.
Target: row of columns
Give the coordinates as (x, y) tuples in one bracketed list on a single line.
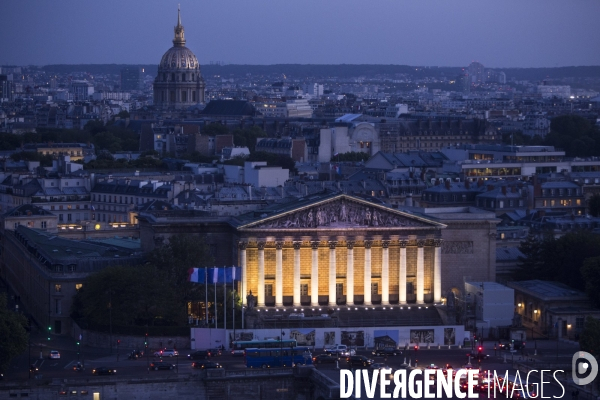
[(314, 281)]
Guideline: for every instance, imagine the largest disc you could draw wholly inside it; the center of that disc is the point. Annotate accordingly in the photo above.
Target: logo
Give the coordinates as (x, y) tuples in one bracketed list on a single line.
[(584, 368)]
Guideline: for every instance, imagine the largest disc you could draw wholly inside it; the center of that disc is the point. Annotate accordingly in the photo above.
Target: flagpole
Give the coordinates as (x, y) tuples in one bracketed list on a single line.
[(224, 297), (215, 282), (206, 295)]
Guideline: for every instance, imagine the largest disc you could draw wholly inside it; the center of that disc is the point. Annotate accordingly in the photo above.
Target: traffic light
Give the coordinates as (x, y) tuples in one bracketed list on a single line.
[(49, 332), (146, 341), (480, 349), (416, 347)]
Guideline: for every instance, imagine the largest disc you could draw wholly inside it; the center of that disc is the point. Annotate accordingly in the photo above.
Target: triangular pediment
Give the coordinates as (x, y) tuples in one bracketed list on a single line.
[(341, 212)]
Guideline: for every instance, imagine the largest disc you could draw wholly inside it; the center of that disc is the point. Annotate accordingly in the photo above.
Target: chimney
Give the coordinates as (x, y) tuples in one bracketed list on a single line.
[(467, 184), (504, 190), (437, 181), (411, 174), (490, 188), (447, 185), (479, 182)]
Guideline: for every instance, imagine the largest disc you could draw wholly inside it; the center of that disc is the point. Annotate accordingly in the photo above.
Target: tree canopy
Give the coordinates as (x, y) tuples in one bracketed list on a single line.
[(589, 340), (13, 335), (155, 293), (572, 259)]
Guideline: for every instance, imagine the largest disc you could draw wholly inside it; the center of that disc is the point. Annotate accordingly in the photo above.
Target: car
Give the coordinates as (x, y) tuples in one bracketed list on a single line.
[(379, 366), (339, 350), (386, 351), (215, 352), (135, 354), (237, 352), (104, 371), (199, 355), (359, 361), (54, 354), (478, 356), (325, 359), (156, 365), (166, 353), (206, 365)]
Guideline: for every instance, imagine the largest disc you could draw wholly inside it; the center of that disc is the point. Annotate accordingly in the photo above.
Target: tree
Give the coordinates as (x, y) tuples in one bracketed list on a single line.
[(530, 265), (127, 295), (13, 335), (351, 156), (594, 205), (591, 276), (174, 261), (589, 340)]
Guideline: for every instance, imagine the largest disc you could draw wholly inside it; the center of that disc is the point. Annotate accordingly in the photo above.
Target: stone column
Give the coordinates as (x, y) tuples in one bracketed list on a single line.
[(385, 273), (332, 274), (260, 296), (350, 274), (244, 289), (367, 277), (402, 273), (279, 274), (420, 272), (314, 275), (437, 271), (297, 246)]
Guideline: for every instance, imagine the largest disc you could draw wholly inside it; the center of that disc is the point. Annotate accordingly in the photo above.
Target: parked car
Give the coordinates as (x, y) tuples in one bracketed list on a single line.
[(54, 354), (199, 355), (340, 350), (359, 361), (325, 359), (166, 353), (206, 365), (387, 351), (156, 365), (104, 371)]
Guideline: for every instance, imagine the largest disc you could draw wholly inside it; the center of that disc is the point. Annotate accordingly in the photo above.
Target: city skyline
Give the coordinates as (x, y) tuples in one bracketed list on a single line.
[(436, 33)]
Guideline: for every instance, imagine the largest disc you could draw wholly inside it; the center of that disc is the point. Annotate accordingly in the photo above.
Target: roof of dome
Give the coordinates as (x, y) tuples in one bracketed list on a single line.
[(178, 57)]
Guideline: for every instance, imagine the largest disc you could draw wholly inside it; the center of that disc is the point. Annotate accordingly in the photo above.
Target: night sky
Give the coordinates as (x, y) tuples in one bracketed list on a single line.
[(497, 33)]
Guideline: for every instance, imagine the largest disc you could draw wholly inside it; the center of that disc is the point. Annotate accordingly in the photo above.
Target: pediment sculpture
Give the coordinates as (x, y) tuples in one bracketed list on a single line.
[(340, 214)]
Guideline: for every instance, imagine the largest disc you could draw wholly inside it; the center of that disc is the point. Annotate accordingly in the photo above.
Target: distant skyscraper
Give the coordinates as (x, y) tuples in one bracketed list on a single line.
[(477, 73), (179, 83), (131, 78)]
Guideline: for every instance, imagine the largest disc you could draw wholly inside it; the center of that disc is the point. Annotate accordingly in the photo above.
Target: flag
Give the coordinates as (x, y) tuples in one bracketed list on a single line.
[(193, 275), (215, 275)]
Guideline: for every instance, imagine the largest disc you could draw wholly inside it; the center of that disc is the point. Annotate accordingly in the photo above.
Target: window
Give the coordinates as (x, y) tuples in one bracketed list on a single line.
[(172, 95), (58, 307), (304, 289), (268, 290), (183, 95), (60, 217), (374, 288), (57, 287), (69, 217), (44, 225), (410, 288), (183, 77), (193, 95), (78, 286)]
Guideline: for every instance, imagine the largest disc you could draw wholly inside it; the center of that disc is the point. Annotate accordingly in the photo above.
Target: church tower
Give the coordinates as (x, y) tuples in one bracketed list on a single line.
[(179, 83)]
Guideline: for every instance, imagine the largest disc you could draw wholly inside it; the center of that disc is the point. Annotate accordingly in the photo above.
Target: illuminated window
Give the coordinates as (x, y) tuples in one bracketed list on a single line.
[(57, 287), (78, 286)]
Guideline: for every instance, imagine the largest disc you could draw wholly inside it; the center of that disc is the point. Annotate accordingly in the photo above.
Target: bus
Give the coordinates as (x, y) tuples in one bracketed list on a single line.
[(277, 357), (239, 346)]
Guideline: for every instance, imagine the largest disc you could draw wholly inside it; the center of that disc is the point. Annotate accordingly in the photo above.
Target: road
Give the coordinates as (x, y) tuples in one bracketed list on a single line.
[(92, 358)]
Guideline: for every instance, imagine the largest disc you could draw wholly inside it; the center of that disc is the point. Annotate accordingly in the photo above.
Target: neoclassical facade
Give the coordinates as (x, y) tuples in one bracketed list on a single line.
[(341, 250), (179, 82)]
